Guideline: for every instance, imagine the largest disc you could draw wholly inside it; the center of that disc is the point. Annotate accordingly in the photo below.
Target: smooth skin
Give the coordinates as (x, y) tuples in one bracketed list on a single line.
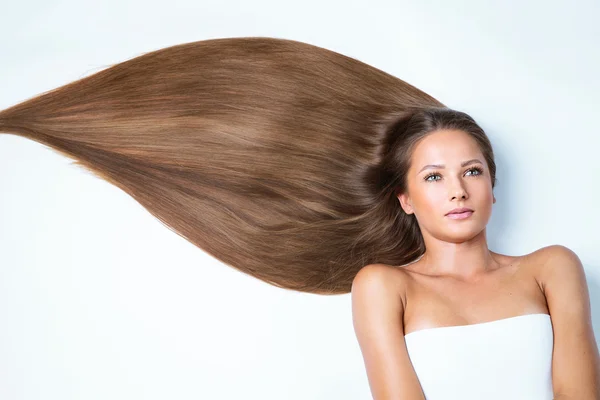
[(459, 281)]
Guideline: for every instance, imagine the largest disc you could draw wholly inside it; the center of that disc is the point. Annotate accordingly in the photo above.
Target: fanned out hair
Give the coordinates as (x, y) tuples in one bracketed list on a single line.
[(279, 158)]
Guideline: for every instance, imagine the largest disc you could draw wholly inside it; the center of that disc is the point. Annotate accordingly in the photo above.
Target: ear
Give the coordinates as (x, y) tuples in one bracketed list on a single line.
[(405, 203)]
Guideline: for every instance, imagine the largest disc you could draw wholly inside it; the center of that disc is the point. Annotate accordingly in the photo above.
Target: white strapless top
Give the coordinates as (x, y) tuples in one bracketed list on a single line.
[(509, 358)]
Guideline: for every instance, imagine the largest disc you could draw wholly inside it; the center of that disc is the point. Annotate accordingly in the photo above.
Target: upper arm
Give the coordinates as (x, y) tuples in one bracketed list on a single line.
[(575, 359), (377, 314)]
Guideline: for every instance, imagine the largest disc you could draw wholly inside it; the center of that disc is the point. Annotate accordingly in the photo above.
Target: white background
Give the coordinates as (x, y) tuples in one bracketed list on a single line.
[(98, 300)]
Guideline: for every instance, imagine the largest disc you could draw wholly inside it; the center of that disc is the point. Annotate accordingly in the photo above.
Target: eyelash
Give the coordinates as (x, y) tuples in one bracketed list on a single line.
[(479, 172)]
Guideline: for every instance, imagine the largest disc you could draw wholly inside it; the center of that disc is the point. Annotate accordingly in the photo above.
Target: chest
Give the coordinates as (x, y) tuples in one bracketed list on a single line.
[(435, 302)]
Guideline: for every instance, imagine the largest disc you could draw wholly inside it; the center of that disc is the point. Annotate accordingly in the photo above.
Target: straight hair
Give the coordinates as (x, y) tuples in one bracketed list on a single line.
[(279, 158)]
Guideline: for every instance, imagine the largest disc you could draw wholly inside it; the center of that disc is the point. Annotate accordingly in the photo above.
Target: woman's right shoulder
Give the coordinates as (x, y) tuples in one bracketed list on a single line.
[(382, 279), (377, 313)]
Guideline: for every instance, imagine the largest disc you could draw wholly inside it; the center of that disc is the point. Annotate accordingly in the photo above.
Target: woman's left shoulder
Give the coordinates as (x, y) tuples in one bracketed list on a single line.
[(556, 255), (554, 263)]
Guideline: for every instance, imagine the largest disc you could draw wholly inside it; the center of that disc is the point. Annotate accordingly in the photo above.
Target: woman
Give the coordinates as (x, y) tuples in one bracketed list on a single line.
[(462, 321), (301, 167)]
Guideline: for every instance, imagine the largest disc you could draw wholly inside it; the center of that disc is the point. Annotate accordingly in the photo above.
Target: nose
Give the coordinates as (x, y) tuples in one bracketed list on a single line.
[(459, 191)]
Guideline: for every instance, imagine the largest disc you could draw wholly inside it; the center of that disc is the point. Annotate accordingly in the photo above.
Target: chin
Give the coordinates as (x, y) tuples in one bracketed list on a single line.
[(462, 234)]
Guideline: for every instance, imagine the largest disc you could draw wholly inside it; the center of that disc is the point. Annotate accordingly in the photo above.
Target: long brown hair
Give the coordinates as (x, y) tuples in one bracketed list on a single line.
[(279, 158)]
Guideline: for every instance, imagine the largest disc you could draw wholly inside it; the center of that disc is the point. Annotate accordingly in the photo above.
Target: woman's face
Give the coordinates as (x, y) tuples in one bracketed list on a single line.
[(448, 171)]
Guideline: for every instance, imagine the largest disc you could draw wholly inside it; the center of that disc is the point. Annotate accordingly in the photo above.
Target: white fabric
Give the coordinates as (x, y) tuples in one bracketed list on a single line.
[(504, 359)]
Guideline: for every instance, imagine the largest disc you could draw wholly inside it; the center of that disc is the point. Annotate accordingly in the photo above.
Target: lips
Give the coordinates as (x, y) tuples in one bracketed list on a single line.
[(462, 210), (460, 213)]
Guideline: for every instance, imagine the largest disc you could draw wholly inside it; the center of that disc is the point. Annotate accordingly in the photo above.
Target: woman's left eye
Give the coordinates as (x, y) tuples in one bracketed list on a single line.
[(478, 170)]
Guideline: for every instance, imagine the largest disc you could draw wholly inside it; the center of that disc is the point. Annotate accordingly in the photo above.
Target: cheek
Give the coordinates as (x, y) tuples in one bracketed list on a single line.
[(487, 193), (483, 198), (432, 198)]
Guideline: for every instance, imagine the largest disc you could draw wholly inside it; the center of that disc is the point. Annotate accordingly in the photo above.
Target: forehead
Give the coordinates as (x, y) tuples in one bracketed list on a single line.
[(445, 147)]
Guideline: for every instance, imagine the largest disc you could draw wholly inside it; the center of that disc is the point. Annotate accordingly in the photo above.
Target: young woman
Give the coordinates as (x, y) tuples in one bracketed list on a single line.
[(315, 172), (464, 322)]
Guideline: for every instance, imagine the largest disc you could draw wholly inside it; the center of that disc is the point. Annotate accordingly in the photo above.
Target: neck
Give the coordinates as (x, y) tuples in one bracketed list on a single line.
[(467, 261)]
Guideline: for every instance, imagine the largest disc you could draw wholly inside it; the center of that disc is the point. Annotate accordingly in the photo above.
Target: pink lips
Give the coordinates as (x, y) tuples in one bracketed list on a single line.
[(460, 213)]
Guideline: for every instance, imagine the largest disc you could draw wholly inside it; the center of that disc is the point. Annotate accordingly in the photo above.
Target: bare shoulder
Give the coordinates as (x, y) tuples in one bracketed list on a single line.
[(575, 358), (553, 261), (555, 250), (380, 278), (380, 270), (538, 260), (377, 313)]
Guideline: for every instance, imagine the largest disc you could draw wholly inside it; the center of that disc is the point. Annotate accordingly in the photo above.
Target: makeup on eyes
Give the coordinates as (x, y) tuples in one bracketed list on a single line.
[(478, 169)]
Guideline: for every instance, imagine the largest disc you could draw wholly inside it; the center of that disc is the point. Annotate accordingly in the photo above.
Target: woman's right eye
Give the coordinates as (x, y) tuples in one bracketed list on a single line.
[(431, 175)]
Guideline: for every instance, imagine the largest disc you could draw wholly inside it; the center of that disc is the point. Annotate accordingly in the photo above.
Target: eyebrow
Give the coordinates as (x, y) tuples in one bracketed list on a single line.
[(438, 166)]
